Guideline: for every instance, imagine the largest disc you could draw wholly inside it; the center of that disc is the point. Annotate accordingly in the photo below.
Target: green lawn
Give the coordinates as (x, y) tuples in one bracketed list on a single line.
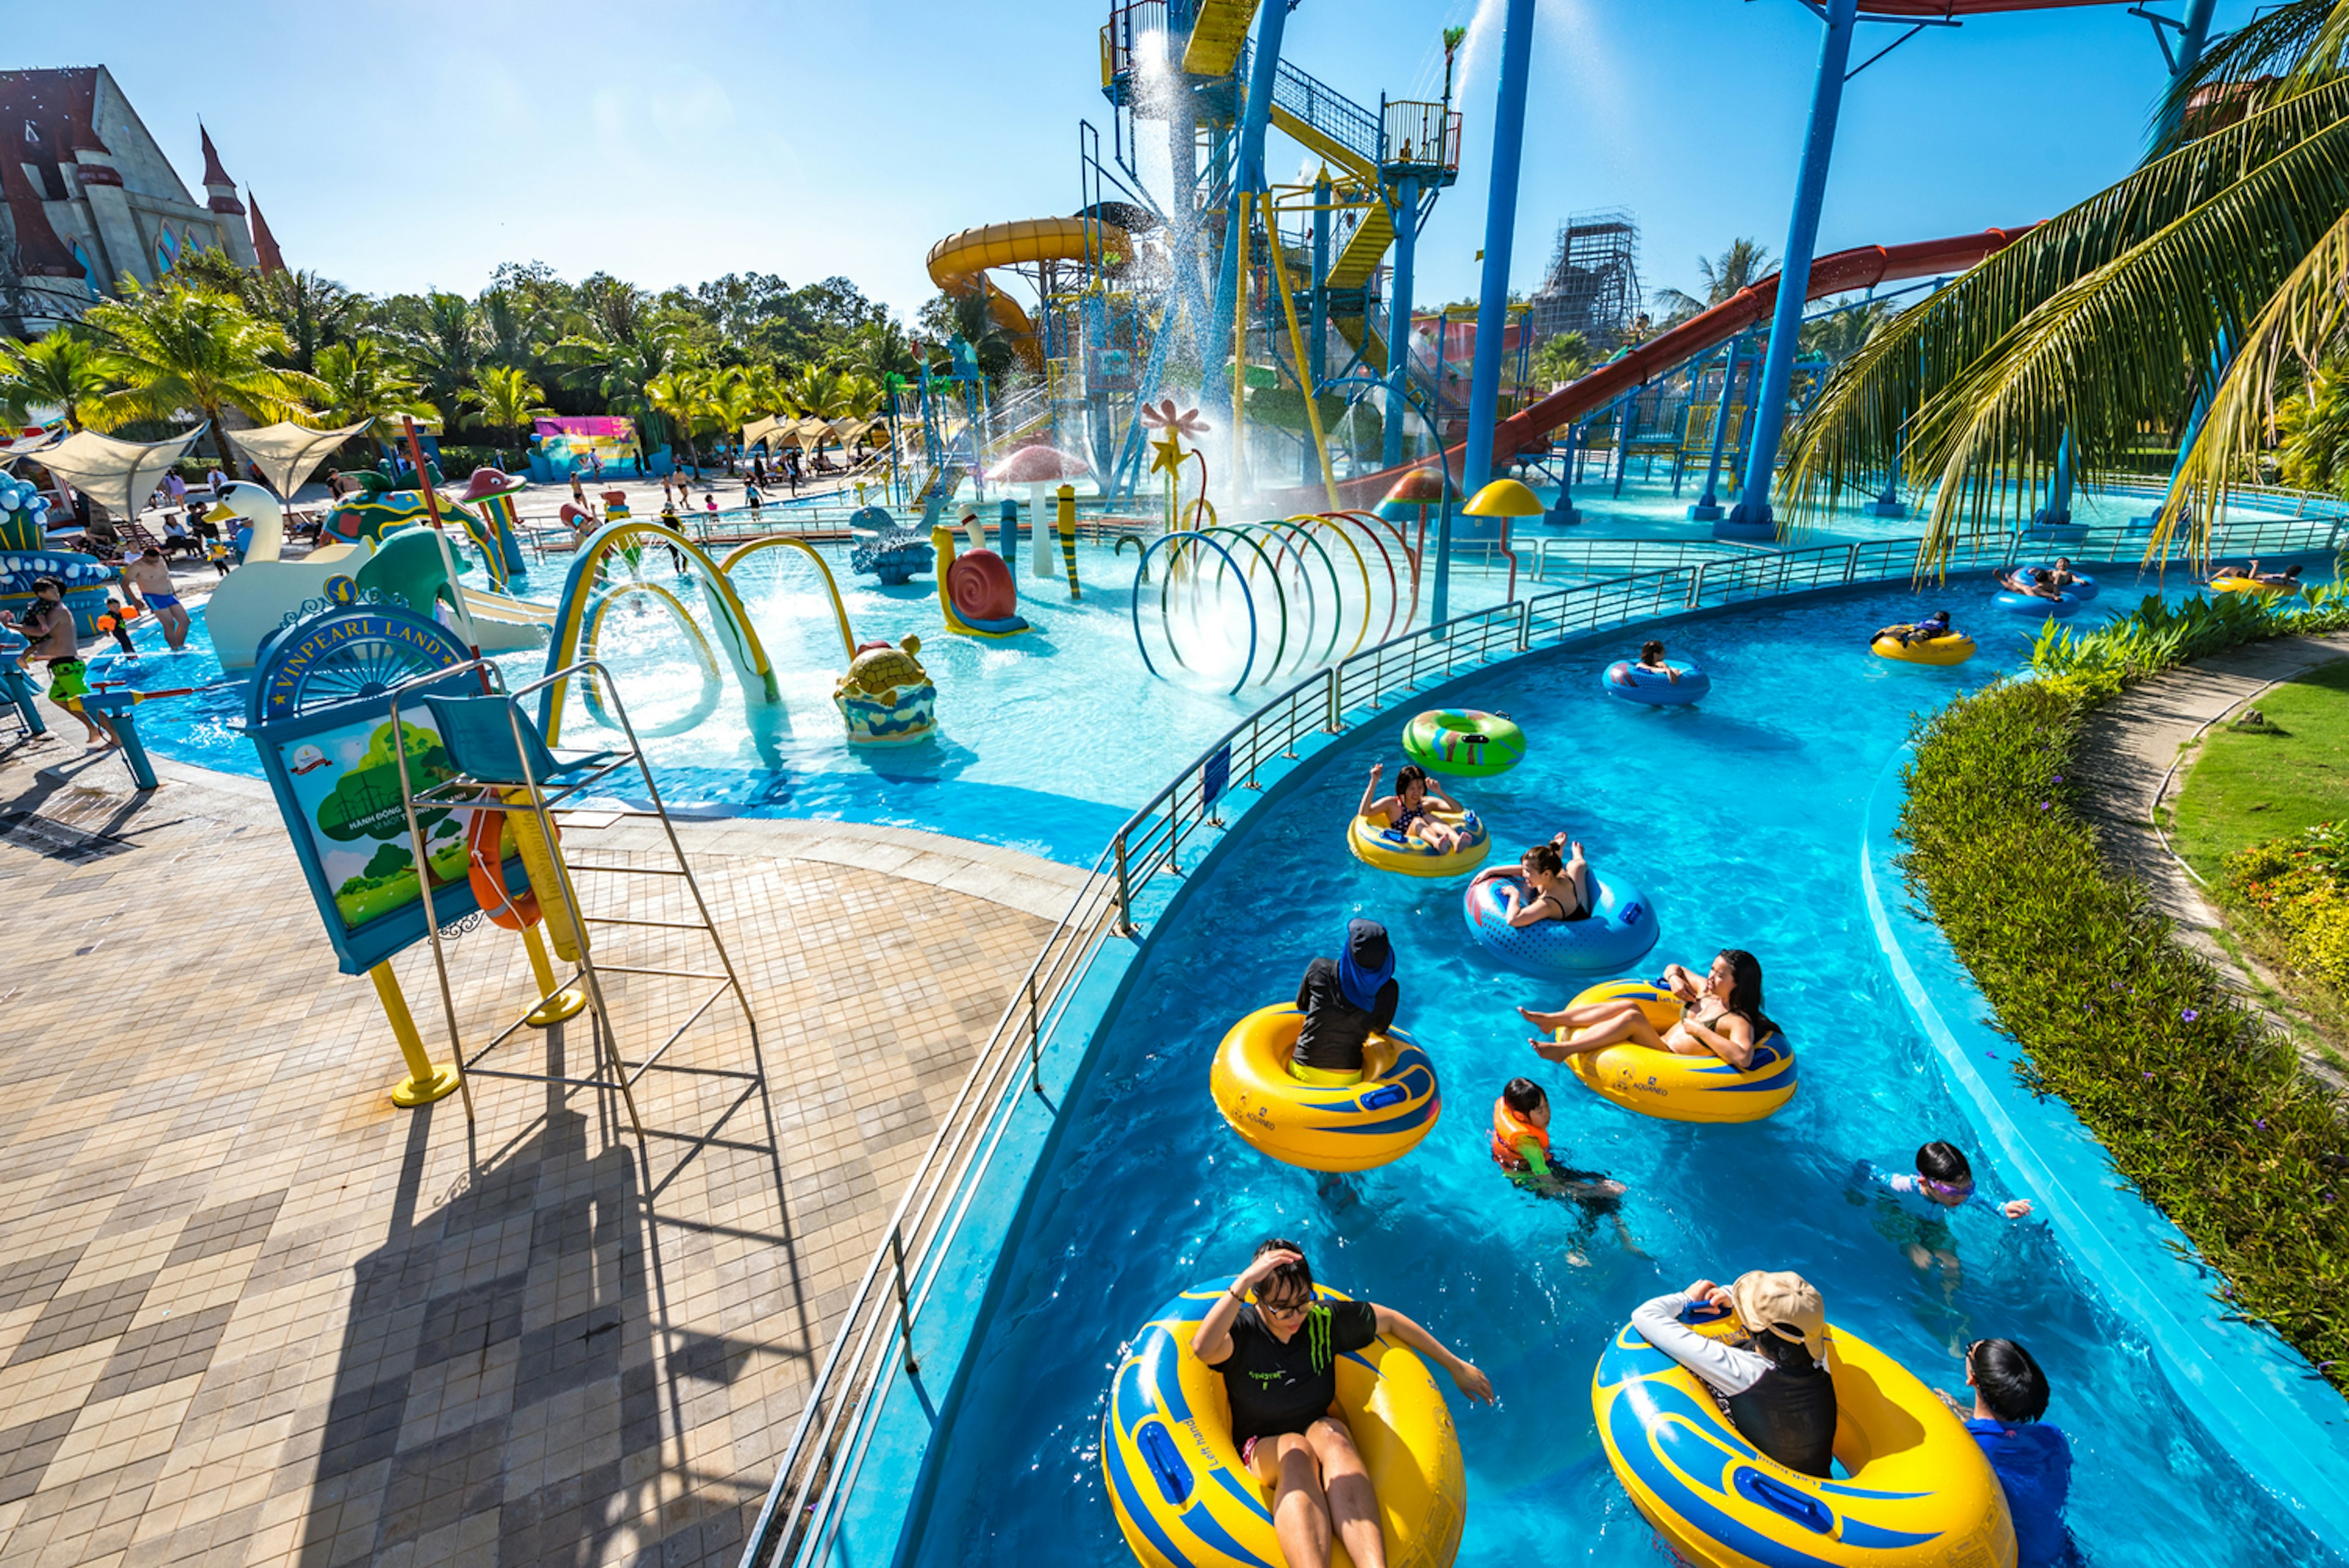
[(2249, 786)]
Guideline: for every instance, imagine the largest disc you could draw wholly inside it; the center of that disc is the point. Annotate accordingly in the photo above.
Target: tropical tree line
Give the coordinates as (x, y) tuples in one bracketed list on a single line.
[(688, 364)]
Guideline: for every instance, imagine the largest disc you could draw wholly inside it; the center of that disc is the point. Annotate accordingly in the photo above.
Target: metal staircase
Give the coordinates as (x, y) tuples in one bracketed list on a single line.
[(1218, 36)]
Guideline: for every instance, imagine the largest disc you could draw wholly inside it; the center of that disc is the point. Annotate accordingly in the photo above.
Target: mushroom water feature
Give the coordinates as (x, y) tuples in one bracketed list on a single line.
[(1039, 469), (1502, 499), (1418, 490)]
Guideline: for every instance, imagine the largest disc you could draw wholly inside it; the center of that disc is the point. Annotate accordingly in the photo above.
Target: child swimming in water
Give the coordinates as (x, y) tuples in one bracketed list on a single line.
[(1913, 1205), (1409, 811), (1521, 1147)]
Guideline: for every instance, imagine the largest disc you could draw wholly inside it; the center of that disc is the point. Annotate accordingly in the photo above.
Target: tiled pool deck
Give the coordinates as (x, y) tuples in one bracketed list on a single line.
[(250, 1312)]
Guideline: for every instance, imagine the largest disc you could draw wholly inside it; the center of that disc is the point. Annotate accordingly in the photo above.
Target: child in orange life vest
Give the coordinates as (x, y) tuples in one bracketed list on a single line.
[(1521, 1147)]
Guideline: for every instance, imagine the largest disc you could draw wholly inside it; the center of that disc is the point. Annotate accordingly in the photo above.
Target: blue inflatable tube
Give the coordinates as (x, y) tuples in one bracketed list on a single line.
[(1633, 683), (2082, 589), (1616, 936), (2062, 606)]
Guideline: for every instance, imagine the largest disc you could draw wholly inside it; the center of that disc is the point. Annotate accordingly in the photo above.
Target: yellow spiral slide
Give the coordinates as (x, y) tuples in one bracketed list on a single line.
[(959, 262)]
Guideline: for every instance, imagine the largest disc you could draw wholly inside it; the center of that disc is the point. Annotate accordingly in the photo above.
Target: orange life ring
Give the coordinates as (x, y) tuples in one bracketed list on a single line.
[(504, 907)]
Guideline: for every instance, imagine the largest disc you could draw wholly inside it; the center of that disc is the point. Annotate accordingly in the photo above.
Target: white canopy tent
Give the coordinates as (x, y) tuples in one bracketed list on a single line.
[(116, 474), (288, 453)]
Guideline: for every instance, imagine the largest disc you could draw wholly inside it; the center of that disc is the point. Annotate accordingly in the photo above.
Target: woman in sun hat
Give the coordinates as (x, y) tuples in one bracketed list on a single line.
[(1771, 1374)]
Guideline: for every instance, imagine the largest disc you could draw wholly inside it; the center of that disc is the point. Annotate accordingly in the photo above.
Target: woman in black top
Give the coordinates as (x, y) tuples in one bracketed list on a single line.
[(1345, 1002), (1283, 1386)]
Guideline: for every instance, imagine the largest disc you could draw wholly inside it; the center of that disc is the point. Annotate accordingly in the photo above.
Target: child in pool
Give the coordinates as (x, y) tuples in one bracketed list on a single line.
[(1521, 1149), (1926, 631), (1543, 885), (1407, 811), (116, 623), (1652, 661), (1913, 1205)]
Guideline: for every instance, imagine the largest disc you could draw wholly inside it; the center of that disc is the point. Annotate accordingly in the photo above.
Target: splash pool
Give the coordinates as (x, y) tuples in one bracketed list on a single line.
[(1741, 819)]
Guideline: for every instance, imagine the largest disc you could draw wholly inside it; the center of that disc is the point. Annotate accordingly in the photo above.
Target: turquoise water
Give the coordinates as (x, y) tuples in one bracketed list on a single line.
[(1742, 822), (1046, 742)]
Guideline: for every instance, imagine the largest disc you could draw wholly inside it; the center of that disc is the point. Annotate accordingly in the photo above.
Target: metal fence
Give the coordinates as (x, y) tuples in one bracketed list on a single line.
[(807, 1503)]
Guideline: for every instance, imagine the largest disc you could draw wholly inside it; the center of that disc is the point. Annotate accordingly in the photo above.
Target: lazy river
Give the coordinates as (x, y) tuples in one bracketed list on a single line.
[(1742, 821)]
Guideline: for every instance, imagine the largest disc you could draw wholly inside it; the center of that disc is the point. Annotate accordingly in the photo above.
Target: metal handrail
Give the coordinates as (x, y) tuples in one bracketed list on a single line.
[(805, 1505)]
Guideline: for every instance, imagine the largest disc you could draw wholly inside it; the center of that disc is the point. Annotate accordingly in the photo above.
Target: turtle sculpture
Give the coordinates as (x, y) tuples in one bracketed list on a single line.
[(886, 697), (885, 547)]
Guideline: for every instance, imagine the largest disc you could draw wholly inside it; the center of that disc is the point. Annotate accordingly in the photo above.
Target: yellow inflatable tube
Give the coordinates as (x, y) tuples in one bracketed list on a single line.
[(1676, 1088), (1185, 1500), (2232, 583), (1954, 649), (1375, 843), (1916, 1492), (1323, 1127)]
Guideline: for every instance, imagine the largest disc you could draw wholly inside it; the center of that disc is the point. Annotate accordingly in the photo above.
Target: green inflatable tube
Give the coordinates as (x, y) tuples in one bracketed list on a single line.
[(1463, 743)]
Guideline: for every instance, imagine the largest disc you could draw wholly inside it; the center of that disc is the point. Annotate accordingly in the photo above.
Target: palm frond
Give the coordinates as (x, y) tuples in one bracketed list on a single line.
[(2304, 315), (2292, 46), (2106, 313)]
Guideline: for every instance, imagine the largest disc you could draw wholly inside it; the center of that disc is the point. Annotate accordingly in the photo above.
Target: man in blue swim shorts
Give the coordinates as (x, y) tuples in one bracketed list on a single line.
[(151, 576)]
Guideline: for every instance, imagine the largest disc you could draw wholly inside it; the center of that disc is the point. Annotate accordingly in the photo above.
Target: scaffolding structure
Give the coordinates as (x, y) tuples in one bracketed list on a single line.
[(1593, 284)]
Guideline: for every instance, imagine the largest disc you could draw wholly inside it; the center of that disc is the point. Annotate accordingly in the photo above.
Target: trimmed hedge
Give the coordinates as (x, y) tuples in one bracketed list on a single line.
[(2201, 1107)]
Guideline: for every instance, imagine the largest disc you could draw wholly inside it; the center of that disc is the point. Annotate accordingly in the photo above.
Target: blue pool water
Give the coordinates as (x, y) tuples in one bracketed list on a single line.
[(1742, 822), (1046, 742)]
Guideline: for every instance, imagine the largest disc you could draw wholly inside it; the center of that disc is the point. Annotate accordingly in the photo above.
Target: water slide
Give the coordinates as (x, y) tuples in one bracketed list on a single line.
[(1864, 267), (959, 262)]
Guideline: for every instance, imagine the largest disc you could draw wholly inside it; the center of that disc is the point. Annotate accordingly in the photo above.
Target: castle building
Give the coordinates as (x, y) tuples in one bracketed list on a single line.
[(88, 198)]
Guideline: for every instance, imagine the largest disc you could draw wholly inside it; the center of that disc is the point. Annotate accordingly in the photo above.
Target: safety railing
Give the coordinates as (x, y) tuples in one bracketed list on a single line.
[(1141, 21), (1580, 558), (806, 1505), (1420, 135), (1327, 111)]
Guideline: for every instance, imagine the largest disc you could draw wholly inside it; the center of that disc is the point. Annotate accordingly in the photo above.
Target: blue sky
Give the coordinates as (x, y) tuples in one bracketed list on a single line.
[(674, 143)]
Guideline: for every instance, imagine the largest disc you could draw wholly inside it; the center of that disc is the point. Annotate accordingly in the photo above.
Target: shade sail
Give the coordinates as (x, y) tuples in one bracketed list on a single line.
[(116, 474), (287, 453)]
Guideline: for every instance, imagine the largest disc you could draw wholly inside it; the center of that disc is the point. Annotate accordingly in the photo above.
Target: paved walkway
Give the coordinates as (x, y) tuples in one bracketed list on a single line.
[(2133, 742), (250, 1312)]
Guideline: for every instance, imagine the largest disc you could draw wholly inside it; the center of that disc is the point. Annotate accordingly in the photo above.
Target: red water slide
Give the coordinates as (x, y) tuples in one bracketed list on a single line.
[(1843, 271)]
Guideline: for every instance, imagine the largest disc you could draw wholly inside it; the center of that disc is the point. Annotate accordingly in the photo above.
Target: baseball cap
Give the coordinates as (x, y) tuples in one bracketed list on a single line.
[(1785, 1305)]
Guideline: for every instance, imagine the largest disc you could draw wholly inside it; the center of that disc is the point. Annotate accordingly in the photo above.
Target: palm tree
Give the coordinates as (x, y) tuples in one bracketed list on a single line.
[(620, 371), (990, 346), (733, 400), (1743, 264), (1840, 335), (175, 349), (2312, 432), (505, 399), (2174, 299), (1562, 358), (682, 397), (314, 311), (64, 371), (617, 311), (358, 381), (441, 339)]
